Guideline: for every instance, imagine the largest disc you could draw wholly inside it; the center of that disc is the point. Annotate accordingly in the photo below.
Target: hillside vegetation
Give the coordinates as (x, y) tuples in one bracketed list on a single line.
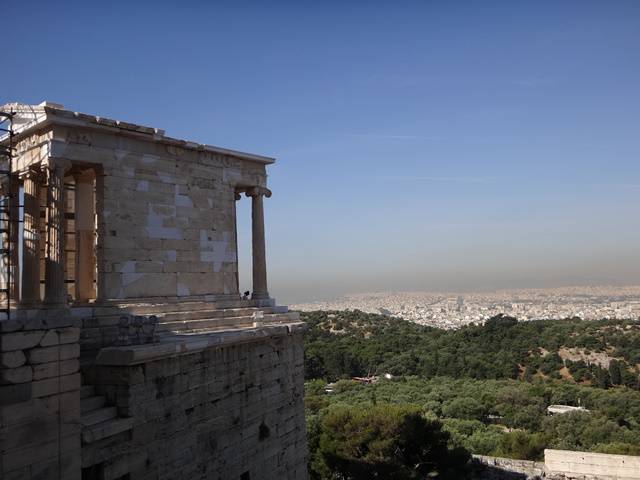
[(481, 389), (353, 343)]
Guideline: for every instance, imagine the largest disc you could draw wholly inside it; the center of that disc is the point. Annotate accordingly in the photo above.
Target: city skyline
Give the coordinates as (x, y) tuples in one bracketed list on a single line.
[(426, 147), (451, 310)]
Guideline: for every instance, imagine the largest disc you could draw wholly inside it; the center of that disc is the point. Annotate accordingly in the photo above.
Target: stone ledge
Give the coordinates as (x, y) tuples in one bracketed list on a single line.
[(42, 318), (37, 319), (18, 393), (187, 343), (576, 464), (109, 428)]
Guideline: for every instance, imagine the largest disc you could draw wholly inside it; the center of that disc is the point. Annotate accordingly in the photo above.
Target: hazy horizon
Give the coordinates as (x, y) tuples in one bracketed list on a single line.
[(420, 146), (619, 289)]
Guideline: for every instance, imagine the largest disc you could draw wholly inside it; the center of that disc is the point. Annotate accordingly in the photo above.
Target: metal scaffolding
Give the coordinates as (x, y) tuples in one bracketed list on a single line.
[(8, 199)]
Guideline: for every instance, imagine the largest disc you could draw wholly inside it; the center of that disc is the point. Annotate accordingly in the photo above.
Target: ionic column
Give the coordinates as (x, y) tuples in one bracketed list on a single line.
[(31, 240), (257, 235), (55, 292), (237, 197), (100, 234), (85, 236), (14, 215)]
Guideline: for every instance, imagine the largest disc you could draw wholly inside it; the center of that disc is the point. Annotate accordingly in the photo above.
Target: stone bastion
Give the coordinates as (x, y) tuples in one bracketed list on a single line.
[(128, 350)]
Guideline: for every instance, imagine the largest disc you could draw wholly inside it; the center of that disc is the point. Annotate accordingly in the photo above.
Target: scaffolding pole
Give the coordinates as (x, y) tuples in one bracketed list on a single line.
[(7, 200)]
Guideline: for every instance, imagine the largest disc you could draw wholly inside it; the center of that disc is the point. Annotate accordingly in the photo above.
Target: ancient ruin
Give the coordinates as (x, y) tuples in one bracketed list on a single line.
[(127, 349)]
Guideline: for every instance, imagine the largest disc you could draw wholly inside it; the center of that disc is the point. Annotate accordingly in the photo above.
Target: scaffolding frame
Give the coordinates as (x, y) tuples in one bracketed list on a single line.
[(7, 201)]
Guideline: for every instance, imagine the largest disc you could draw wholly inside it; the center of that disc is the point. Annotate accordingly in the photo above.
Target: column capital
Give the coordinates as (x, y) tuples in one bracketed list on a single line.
[(59, 164), (258, 192), (32, 171), (86, 174)]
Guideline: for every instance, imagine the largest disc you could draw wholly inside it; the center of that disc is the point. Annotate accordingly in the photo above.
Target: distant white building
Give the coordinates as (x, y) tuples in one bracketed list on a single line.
[(558, 409)]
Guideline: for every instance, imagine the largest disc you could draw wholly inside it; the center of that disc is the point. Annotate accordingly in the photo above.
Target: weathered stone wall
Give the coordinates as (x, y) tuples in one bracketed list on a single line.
[(166, 214), (39, 397), (33, 149), (215, 388), (232, 412), (498, 468), (592, 465), (560, 465)]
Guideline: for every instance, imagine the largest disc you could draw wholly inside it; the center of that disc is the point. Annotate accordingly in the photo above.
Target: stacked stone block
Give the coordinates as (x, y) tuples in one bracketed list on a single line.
[(166, 215), (219, 413), (164, 210), (590, 465), (39, 397), (120, 219)]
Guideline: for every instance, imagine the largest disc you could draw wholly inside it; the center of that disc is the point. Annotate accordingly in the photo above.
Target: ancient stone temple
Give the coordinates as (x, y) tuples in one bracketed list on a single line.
[(128, 351)]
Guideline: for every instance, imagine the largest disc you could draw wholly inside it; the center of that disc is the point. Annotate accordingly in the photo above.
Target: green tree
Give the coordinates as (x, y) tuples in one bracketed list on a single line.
[(522, 445), (464, 407), (386, 442), (601, 378), (617, 448), (615, 372)]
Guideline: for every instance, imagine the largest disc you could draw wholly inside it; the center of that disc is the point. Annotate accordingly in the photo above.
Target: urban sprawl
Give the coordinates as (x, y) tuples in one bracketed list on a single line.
[(453, 310)]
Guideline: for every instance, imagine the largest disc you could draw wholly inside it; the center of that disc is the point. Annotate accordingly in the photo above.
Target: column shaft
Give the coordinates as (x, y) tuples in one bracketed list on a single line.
[(55, 292), (260, 290), (100, 234), (14, 215), (85, 264), (237, 197), (31, 241)]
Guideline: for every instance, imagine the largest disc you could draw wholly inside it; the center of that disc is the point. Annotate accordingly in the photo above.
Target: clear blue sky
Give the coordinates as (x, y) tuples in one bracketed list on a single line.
[(420, 145)]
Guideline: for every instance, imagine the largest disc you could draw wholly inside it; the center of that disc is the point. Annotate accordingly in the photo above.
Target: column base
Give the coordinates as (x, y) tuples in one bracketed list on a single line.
[(260, 295), (265, 302), (54, 303), (29, 304)]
